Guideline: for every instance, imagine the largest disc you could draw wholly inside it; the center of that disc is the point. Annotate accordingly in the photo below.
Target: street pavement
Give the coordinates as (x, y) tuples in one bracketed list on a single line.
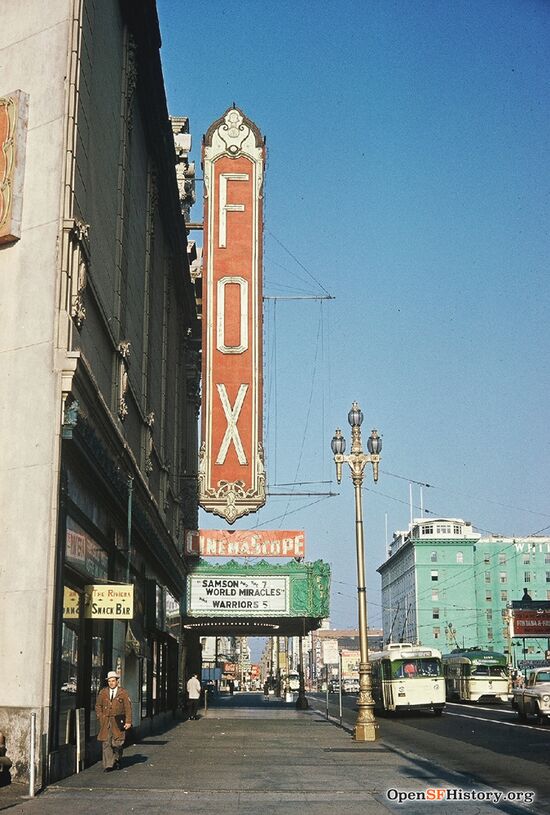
[(252, 756)]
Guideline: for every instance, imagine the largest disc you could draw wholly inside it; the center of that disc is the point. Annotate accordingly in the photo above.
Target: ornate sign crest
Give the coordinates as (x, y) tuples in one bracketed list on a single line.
[(231, 466)]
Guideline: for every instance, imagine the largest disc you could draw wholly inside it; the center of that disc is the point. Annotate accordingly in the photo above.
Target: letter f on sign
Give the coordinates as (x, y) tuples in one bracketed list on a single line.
[(232, 415), (225, 207)]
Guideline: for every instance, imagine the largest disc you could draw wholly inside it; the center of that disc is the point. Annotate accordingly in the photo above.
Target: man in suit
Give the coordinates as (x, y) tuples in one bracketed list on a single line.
[(114, 712)]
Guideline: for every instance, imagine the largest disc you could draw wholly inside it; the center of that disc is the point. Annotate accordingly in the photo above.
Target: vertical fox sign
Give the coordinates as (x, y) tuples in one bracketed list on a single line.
[(231, 463)]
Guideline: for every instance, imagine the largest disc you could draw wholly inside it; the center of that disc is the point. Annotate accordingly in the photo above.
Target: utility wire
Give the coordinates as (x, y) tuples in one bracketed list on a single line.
[(299, 262)]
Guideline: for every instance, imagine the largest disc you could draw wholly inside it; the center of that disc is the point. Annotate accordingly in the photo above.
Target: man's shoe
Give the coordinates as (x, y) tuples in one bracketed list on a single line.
[(108, 769)]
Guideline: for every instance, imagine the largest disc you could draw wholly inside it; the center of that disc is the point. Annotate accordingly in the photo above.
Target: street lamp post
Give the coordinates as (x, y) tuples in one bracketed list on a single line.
[(366, 726)]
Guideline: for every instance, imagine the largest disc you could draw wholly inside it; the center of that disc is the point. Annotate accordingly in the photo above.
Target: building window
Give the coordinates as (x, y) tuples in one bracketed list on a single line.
[(489, 613), (428, 529), (504, 596), (437, 632), (489, 633), (486, 557), (460, 557), (456, 529), (547, 594), (435, 575), (433, 557), (435, 614), (547, 558), (502, 559), (487, 577), (526, 577), (548, 577), (504, 613), (435, 594), (527, 559), (503, 577), (488, 597)]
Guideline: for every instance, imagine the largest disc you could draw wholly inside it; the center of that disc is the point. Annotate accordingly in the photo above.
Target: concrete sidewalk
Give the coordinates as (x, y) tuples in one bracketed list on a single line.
[(255, 757)]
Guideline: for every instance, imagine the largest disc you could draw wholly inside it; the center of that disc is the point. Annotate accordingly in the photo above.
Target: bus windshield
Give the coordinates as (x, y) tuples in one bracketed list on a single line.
[(488, 670), (410, 668)]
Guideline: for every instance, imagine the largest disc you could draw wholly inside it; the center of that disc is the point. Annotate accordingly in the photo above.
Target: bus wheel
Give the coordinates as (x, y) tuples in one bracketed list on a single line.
[(438, 711)]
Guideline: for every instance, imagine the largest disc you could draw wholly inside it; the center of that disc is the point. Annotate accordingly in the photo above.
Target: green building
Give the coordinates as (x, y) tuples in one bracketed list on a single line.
[(444, 585)]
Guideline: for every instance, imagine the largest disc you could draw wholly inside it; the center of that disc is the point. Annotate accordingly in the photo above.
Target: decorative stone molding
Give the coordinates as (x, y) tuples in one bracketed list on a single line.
[(149, 421), (124, 361), (185, 169), (13, 135), (79, 264)]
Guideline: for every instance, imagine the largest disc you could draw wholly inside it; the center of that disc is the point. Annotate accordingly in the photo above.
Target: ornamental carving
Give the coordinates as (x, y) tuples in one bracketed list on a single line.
[(124, 361), (13, 135)]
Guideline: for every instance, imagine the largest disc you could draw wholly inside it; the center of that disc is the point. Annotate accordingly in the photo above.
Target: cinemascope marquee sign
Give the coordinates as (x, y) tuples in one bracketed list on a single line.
[(256, 543), (231, 464)]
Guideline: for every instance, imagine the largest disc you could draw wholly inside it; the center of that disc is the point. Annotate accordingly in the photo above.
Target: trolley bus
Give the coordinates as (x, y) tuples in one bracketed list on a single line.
[(408, 677), (472, 675)]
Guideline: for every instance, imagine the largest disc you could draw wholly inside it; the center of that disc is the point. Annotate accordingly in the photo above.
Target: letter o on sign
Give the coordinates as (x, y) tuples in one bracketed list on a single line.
[(243, 322)]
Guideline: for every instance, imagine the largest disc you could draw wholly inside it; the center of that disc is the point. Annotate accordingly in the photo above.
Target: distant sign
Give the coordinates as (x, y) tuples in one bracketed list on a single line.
[(330, 652), (531, 622), (109, 602), (71, 604), (238, 596), (254, 543)]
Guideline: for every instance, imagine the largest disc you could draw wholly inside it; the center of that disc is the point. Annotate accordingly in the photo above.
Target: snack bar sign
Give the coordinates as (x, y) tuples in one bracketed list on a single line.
[(231, 462), (106, 602), (238, 596)]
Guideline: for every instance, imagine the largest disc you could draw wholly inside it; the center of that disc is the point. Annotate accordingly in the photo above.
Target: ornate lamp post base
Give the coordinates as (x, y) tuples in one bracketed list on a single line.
[(366, 732)]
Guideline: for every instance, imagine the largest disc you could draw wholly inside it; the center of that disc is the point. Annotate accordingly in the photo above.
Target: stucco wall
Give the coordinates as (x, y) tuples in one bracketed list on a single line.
[(33, 55)]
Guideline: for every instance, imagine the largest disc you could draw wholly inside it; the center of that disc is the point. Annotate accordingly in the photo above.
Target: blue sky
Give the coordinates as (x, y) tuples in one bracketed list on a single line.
[(408, 172)]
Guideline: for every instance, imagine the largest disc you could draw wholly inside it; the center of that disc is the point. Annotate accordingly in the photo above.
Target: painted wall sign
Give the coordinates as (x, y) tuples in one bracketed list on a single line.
[(531, 622), (254, 543), (105, 602), (231, 464), (238, 596), (13, 135)]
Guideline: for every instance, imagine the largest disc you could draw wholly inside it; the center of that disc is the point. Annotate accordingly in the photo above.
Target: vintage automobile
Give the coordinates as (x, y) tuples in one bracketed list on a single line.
[(534, 698)]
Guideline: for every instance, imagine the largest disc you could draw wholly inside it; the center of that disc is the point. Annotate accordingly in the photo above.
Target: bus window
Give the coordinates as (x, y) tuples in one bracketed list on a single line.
[(480, 670)]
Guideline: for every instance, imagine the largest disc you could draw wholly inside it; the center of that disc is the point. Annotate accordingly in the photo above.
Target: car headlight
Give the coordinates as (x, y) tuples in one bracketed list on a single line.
[(546, 698)]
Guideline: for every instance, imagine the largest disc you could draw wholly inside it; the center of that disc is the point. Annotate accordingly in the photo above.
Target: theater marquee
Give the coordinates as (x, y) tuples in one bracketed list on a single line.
[(231, 465)]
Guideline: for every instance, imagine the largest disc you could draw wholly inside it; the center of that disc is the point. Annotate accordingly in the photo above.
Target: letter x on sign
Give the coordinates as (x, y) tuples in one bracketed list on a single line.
[(232, 415)]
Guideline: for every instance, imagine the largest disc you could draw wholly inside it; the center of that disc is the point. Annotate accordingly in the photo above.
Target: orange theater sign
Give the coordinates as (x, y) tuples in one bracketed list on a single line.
[(257, 543), (231, 466)]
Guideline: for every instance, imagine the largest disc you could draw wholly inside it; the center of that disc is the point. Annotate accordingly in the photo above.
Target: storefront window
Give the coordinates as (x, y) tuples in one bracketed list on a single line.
[(70, 639), (98, 669)]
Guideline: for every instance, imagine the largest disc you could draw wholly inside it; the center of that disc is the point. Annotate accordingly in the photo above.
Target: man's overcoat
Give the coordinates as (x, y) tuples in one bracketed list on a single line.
[(106, 710)]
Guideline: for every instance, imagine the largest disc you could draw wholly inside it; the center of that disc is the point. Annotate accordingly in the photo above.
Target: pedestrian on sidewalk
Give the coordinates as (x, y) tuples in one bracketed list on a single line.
[(194, 694), (114, 712)]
